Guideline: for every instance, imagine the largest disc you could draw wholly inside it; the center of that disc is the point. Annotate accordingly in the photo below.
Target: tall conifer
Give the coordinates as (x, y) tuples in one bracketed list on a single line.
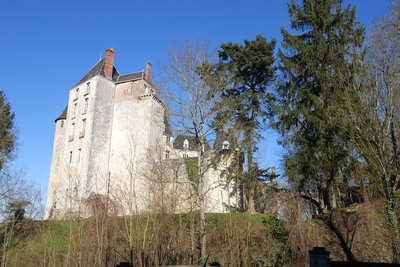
[(318, 53), (245, 101)]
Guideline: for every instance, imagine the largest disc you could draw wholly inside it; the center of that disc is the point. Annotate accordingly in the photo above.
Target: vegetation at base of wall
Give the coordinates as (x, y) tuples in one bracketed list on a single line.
[(192, 169), (233, 239)]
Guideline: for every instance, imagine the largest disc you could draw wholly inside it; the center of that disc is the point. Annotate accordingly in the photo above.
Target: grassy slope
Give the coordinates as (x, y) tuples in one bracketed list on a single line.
[(259, 235)]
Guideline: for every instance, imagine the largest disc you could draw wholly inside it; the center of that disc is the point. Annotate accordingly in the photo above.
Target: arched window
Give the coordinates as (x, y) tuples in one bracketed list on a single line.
[(225, 145), (186, 144)]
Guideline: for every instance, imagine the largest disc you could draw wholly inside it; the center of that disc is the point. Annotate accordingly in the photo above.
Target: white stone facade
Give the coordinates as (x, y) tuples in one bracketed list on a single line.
[(112, 142)]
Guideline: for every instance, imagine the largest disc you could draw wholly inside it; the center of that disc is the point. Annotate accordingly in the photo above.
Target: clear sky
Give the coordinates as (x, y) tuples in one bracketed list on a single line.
[(47, 46)]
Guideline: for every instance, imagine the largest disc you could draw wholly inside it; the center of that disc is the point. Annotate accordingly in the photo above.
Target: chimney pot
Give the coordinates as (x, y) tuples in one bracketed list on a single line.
[(109, 63), (148, 72)]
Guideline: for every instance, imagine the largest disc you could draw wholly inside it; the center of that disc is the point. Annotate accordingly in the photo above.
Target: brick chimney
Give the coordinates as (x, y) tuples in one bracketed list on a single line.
[(109, 63), (148, 72)]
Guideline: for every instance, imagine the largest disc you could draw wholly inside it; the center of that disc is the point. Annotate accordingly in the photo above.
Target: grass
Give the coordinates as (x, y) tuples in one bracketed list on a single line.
[(50, 239)]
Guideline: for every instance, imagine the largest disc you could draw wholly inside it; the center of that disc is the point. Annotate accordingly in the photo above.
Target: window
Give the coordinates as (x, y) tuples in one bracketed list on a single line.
[(82, 132), (146, 89), (76, 93), (75, 110), (186, 144), (185, 156), (167, 154), (86, 106), (168, 141), (225, 145), (79, 154), (70, 156), (87, 88), (62, 124), (71, 132)]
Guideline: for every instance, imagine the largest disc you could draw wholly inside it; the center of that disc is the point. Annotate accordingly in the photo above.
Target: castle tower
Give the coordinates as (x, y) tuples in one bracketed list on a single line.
[(110, 121)]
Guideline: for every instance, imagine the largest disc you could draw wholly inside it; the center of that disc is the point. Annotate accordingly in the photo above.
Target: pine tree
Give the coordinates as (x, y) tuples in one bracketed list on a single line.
[(245, 100), (314, 58), (7, 132)]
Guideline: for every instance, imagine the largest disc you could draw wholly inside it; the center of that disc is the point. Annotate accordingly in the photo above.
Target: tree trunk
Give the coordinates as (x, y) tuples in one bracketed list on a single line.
[(201, 197), (250, 204), (251, 182)]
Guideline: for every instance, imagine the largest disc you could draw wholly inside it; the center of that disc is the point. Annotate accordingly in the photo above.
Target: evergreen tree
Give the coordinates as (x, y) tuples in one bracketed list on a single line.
[(323, 49), (7, 133), (245, 100)]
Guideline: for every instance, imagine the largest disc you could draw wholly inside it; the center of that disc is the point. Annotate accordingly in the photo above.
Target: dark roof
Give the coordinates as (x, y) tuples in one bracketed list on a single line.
[(63, 115), (130, 77), (98, 69), (178, 142)]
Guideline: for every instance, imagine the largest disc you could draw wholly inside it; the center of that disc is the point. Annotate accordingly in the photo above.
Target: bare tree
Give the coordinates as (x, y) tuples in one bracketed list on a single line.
[(19, 201), (187, 91), (373, 115)]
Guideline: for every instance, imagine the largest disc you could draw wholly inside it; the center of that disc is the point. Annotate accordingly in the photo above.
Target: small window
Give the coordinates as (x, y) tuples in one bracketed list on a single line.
[(185, 156), (146, 89), (79, 154), (82, 132), (62, 124), (87, 88), (167, 154), (71, 132), (76, 93), (168, 140), (86, 106), (75, 110), (225, 145), (70, 156), (186, 144)]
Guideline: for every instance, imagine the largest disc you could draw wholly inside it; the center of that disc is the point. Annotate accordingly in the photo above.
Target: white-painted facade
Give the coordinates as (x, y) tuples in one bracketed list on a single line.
[(112, 142)]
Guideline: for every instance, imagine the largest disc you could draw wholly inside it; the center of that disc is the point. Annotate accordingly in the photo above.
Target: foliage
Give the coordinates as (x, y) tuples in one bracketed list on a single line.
[(7, 131), (248, 72), (312, 61), (238, 237), (372, 115), (192, 169)]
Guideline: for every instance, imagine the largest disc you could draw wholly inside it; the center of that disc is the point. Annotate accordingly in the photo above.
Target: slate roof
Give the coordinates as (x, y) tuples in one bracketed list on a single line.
[(178, 142), (98, 69), (63, 115), (130, 77)]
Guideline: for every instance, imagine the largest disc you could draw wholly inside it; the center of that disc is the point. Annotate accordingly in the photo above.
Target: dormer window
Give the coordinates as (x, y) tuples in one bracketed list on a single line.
[(225, 145), (186, 144)]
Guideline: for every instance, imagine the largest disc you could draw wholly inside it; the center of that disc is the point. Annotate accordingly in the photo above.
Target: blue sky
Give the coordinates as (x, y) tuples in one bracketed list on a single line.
[(47, 46)]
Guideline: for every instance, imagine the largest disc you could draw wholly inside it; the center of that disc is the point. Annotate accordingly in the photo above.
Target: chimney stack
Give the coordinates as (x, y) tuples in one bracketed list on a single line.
[(109, 63), (148, 72)]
